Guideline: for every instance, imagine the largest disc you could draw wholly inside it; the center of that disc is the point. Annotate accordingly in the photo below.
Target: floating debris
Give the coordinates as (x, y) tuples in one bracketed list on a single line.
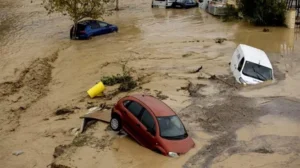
[(264, 150), (197, 70), (59, 150), (220, 40), (64, 111), (266, 30), (17, 153)]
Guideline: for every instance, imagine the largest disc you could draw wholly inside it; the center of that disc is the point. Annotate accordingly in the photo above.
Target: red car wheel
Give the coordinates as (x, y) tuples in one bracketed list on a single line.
[(115, 123)]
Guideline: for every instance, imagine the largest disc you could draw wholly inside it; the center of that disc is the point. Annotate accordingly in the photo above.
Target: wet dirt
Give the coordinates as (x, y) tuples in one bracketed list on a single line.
[(222, 118), (232, 126), (248, 130), (18, 95)]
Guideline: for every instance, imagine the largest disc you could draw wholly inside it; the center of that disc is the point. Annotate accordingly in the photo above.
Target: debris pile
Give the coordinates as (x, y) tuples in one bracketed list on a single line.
[(161, 96), (220, 40), (17, 153), (59, 150), (264, 150)]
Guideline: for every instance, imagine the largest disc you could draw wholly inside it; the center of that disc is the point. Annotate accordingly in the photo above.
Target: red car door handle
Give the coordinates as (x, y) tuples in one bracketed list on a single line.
[(138, 125)]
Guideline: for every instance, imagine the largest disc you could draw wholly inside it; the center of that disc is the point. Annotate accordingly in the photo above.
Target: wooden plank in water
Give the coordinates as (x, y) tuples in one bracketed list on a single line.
[(103, 116)]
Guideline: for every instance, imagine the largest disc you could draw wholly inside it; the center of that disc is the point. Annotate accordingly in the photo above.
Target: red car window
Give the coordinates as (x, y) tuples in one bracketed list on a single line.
[(135, 108), (126, 103), (148, 121)]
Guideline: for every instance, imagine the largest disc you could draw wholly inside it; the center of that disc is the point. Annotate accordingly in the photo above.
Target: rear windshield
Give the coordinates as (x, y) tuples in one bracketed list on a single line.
[(80, 27)]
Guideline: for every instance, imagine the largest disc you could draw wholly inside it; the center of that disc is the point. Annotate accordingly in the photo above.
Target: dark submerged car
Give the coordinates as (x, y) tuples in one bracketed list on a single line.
[(184, 4), (88, 28)]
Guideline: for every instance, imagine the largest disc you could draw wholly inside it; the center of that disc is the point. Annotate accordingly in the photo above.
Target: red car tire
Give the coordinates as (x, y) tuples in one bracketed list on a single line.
[(115, 122)]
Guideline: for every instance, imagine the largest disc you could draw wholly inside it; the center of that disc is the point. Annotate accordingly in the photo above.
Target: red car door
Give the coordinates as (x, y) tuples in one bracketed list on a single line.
[(147, 129), (131, 122)]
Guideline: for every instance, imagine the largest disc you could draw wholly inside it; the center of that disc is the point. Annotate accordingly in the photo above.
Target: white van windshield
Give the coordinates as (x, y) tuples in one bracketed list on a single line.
[(257, 71)]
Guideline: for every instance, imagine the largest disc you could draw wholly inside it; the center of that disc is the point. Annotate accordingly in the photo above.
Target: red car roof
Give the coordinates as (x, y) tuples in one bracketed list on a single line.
[(159, 108)]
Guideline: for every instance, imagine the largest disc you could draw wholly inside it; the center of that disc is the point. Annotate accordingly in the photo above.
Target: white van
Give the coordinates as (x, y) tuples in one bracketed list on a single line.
[(162, 3), (250, 65)]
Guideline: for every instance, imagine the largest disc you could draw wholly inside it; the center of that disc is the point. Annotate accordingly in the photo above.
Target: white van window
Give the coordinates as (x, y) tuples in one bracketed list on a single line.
[(257, 71), (241, 64)]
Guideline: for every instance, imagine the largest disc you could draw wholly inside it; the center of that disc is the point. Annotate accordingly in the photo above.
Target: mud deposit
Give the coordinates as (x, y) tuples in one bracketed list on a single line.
[(233, 139), (17, 96), (222, 118), (171, 54)]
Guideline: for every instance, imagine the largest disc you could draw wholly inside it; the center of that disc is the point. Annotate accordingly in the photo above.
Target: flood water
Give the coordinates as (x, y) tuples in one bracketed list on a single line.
[(153, 41), (26, 27)]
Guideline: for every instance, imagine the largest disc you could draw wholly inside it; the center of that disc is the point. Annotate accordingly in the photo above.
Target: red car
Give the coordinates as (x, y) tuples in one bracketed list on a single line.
[(152, 124)]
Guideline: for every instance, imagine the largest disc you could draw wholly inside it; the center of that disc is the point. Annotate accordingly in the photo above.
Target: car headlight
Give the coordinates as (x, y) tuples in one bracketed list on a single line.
[(242, 81), (173, 154)]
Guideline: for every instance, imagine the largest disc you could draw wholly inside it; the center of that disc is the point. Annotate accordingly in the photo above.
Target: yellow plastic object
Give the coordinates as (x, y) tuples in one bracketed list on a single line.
[(96, 90)]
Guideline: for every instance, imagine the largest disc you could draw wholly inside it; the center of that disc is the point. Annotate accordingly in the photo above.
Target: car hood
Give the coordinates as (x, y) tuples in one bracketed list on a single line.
[(178, 146)]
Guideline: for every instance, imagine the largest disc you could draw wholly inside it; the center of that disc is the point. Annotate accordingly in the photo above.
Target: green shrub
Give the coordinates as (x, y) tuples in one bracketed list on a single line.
[(231, 13), (112, 80), (125, 80), (127, 85), (263, 12)]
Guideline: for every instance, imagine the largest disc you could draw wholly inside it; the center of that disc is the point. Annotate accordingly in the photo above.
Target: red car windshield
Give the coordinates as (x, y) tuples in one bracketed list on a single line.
[(171, 127)]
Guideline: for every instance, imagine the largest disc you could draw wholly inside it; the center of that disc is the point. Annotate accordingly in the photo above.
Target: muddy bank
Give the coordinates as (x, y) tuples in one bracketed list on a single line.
[(17, 96), (222, 118), (27, 33), (254, 131)]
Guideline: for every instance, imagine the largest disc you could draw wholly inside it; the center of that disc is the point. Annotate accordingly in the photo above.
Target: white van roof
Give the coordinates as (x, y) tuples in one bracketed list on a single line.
[(255, 55)]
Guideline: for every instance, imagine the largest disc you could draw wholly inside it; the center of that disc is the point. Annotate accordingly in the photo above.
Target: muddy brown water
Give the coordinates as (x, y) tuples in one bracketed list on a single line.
[(42, 70)]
